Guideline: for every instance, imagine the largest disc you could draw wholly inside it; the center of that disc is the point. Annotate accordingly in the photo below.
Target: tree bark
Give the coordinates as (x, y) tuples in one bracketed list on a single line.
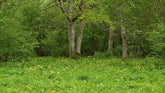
[(71, 30), (71, 26), (79, 38), (0, 6), (110, 41), (71, 37), (123, 32), (80, 31)]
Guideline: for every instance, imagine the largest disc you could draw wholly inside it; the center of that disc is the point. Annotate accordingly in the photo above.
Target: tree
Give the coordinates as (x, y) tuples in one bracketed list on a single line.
[(71, 23), (75, 12), (81, 28), (111, 37), (123, 34), (115, 11)]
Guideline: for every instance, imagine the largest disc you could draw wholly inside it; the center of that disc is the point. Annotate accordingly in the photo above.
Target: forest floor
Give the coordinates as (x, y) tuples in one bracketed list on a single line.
[(85, 75)]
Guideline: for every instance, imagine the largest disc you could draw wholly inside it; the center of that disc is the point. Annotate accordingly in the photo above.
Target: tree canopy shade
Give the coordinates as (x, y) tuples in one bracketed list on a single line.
[(75, 28)]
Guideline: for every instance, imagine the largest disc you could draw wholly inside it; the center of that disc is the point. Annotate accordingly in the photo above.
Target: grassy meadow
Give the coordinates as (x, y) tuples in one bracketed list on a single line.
[(85, 75)]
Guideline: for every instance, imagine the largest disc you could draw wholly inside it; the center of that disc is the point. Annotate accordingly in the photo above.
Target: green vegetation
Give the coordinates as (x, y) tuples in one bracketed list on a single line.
[(82, 46), (36, 28), (85, 75)]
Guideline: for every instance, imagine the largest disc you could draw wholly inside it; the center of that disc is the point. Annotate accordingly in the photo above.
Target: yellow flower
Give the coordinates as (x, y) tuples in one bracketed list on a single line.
[(52, 71), (49, 66), (53, 91)]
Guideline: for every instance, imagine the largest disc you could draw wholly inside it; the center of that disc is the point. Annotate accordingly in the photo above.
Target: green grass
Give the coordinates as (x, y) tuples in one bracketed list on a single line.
[(86, 75)]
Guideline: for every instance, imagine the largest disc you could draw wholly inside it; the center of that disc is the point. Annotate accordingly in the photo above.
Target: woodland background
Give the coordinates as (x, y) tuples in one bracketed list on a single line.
[(75, 28)]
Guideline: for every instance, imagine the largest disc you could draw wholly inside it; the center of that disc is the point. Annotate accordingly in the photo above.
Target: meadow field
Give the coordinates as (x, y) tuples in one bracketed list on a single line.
[(85, 75)]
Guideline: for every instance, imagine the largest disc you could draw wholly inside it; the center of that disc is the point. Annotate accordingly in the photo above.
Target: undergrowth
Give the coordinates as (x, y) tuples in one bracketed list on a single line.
[(85, 75)]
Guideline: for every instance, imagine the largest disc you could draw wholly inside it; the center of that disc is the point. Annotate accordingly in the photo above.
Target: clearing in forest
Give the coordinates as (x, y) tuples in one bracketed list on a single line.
[(85, 75)]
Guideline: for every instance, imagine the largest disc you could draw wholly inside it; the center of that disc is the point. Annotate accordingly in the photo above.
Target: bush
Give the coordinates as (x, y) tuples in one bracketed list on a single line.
[(157, 39), (16, 44), (16, 39), (103, 54), (56, 43), (117, 51)]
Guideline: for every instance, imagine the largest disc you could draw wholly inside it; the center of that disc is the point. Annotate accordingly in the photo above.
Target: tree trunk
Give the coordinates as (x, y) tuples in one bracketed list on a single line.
[(71, 37), (80, 31), (71, 29), (123, 32), (0, 6), (110, 41), (79, 38), (71, 26)]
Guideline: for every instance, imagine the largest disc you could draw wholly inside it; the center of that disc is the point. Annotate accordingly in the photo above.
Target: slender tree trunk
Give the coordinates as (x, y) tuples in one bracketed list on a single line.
[(79, 38), (0, 8), (110, 41), (71, 37), (71, 26), (71, 30), (80, 31), (123, 32)]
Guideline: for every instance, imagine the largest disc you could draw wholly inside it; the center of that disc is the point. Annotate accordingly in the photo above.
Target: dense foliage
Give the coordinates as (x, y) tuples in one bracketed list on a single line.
[(39, 28)]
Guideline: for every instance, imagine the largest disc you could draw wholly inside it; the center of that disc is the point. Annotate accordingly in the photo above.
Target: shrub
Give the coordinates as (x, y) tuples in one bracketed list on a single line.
[(103, 54), (16, 44), (157, 39), (56, 43)]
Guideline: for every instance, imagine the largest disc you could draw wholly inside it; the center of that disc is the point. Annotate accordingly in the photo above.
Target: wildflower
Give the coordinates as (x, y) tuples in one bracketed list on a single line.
[(53, 91), (49, 66), (52, 71)]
